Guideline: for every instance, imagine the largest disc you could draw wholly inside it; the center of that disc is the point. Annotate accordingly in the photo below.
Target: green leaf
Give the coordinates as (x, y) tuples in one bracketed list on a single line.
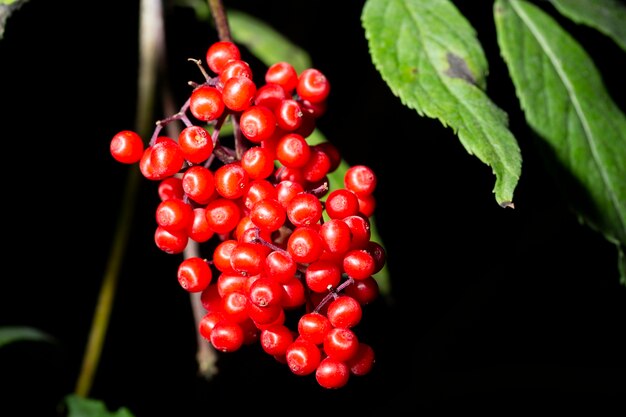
[(565, 101), (87, 407), (429, 56), (335, 180), (265, 42), (606, 16), (7, 7), (12, 334)]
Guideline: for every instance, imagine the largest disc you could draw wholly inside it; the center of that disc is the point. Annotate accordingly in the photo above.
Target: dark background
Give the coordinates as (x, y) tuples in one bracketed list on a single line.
[(491, 308)]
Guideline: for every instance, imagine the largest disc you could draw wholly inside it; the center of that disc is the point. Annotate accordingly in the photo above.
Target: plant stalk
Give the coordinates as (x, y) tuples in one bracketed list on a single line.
[(150, 38)]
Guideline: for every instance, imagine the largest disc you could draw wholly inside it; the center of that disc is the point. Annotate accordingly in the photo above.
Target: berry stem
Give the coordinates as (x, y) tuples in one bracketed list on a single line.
[(333, 293), (221, 20)]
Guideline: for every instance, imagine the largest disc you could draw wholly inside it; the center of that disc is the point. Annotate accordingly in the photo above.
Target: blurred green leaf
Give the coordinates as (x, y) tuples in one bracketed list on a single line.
[(565, 101), (430, 57), (7, 7), (87, 407), (265, 42), (12, 334), (606, 16)]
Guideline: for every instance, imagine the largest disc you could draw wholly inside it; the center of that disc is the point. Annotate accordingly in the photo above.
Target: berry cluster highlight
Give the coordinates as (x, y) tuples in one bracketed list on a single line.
[(292, 262)]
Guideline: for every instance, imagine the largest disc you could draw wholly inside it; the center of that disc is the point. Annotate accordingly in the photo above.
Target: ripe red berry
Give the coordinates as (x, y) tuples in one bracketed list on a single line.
[(238, 93), (206, 103), (276, 339), (220, 53), (231, 180), (292, 150), (313, 85), (322, 275), (162, 159), (314, 327), (195, 143), (268, 215), (283, 74), (194, 274), (341, 343), (305, 244), (126, 147), (362, 361), (199, 184), (174, 214), (344, 311), (360, 179), (172, 242), (257, 123), (304, 209), (332, 373), (258, 162), (303, 357), (235, 68), (227, 336), (222, 215)]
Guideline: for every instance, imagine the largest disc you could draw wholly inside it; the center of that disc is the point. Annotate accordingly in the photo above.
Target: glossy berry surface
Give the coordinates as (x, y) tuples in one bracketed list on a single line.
[(287, 255)]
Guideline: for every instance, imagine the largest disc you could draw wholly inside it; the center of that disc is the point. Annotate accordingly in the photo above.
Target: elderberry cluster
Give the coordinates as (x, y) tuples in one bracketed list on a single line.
[(292, 261)]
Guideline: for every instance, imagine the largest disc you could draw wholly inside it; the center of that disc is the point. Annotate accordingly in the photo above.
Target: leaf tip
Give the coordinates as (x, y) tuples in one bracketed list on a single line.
[(507, 204)]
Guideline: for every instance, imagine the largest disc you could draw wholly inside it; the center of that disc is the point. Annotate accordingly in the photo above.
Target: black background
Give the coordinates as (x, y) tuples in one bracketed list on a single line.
[(491, 308)]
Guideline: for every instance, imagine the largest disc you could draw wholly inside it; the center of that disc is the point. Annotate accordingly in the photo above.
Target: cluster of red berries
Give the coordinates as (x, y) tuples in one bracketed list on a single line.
[(293, 262)]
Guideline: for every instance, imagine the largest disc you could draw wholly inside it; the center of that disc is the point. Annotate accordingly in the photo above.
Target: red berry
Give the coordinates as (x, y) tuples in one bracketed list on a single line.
[(358, 264), (304, 209), (360, 179), (341, 203), (292, 150), (344, 311), (314, 327), (206, 103), (280, 266), (269, 95), (363, 290), (303, 357), (322, 275), (257, 162), (199, 229), (162, 159), (195, 143), (305, 244), (171, 187), (268, 215), (227, 336), (173, 242), (283, 74), (199, 184), (231, 180), (222, 215), (294, 295), (313, 85), (238, 93), (257, 123), (220, 53), (194, 274), (235, 68), (332, 373), (276, 339), (341, 343), (126, 147), (174, 214), (362, 361)]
